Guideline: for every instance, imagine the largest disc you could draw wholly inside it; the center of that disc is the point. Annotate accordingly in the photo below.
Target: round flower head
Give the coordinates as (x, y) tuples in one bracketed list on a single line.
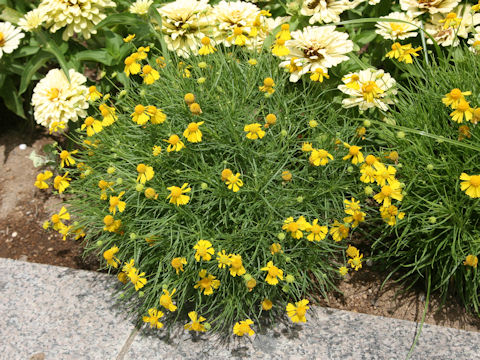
[(145, 173), (324, 11), (397, 30), (32, 19), (10, 38), (415, 8), (196, 324), (315, 47), (471, 185), (140, 7), (177, 196), (297, 312), (243, 328), (56, 100), (193, 133)]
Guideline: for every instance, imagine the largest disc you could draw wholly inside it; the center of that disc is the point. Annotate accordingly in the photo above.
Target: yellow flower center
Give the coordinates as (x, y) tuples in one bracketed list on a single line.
[(2, 40), (53, 94), (301, 311), (268, 82), (149, 193), (396, 27), (64, 154), (195, 108), (237, 262), (114, 201), (202, 251), (129, 61), (322, 153), (139, 109), (147, 69), (356, 261), (387, 191), (205, 41), (174, 139), (55, 218), (354, 150), (463, 106), (316, 229), (285, 27), (192, 127), (92, 89), (273, 271), (293, 227), (358, 216), (108, 220), (475, 180), (89, 121), (396, 46), (176, 192), (370, 160), (370, 87), (280, 42), (451, 16), (455, 94), (141, 168), (189, 98), (237, 31)]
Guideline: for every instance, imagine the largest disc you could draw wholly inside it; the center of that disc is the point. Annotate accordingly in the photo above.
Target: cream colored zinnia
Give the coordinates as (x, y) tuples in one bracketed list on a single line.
[(184, 24), (415, 8), (57, 101), (315, 47), (325, 11), (10, 38), (397, 30), (33, 19), (77, 16), (140, 7), (367, 89)]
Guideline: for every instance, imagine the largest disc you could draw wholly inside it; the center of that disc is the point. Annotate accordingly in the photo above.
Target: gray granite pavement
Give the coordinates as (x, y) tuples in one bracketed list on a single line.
[(49, 312)]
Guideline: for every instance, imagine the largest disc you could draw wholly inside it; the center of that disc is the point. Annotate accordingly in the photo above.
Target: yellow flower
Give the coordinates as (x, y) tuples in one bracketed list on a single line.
[(254, 131), (128, 266), (352, 81), (207, 282), (115, 203), (223, 259), (226, 173), (175, 143), (166, 300), (354, 153), (195, 108), (57, 219), (339, 231), (149, 74), (384, 174), (111, 225), (388, 192), (108, 114), (286, 175), (295, 228), (279, 49), (267, 304), (139, 116), (356, 262), (152, 318), (317, 232), (390, 214), (60, 183), (122, 277), (93, 126), (274, 273), (297, 312), (318, 75), (150, 193), (471, 260), (253, 62), (270, 120), (463, 109), (40, 182), (156, 150), (145, 173), (319, 157), (193, 133), (352, 251), (451, 20), (307, 147), (268, 86), (195, 325), (204, 250), (471, 185), (189, 98), (131, 65), (236, 265), (177, 263), (355, 217), (453, 97), (137, 278), (275, 248), (403, 52), (176, 194), (156, 115), (129, 38), (284, 32), (237, 37), (343, 270), (93, 93), (207, 47), (243, 327), (66, 158), (109, 256), (234, 182)]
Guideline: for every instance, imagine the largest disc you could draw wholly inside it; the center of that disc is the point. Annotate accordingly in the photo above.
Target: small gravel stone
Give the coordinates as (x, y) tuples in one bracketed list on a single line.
[(22, 146), (14, 234)]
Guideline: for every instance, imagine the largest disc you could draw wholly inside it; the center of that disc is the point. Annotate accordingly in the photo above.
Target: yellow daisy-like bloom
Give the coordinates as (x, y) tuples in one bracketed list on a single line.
[(254, 131), (297, 312), (286, 175), (352, 251), (193, 133), (318, 75), (356, 217), (236, 265), (270, 120), (149, 74), (137, 278), (354, 153), (115, 203), (339, 231), (397, 30), (40, 181), (307, 147), (150, 193), (295, 228), (319, 157), (471, 185), (207, 282), (356, 262), (60, 183), (275, 248), (207, 47), (189, 98), (274, 273), (166, 300), (384, 174), (66, 158), (390, 214), (175, 143), (204, 250), (156, 150), (145, 173), (388, 192), (111, 225), (153, 316), (129, 38), (343, 270), (451, 20), (279, 49), (243, 328), (140, 7), (131, 65), (351, 205), (267, 304), (471, 260), (226, 173), (177, 263), (454, 97), (156, 115), (108, 114), (127, 267), (109, 256), (463, 110), (223, 259), (317, 232), (234, 182), (177, 196), (93, 93), (403, 53), (195, 325), (284, 32), (92, 126), (268, 86), (140, 115)]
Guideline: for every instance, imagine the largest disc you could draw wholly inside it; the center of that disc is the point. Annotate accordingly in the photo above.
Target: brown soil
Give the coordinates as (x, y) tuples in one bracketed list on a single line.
[(23, 208)]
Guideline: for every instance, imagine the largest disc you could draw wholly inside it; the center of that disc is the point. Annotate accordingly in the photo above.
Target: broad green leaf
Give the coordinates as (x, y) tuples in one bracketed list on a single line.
[(12, 99), (9, 14), (25, 51), (101, 56), (116, 19), (31, 67)]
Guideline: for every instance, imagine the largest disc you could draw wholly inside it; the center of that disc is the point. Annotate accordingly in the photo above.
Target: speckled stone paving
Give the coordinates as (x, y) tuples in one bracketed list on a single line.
[(49, 312)]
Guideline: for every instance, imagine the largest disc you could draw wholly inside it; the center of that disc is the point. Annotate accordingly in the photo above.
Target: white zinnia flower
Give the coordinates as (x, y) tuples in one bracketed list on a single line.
[(185, 23), (57, 101), (325, 11), (475, 42), (415, 8), (32, 19), (397, 30), (450, 36), (78, 16), (367, 89), (315, 47), (10, 38), (140, 7)]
